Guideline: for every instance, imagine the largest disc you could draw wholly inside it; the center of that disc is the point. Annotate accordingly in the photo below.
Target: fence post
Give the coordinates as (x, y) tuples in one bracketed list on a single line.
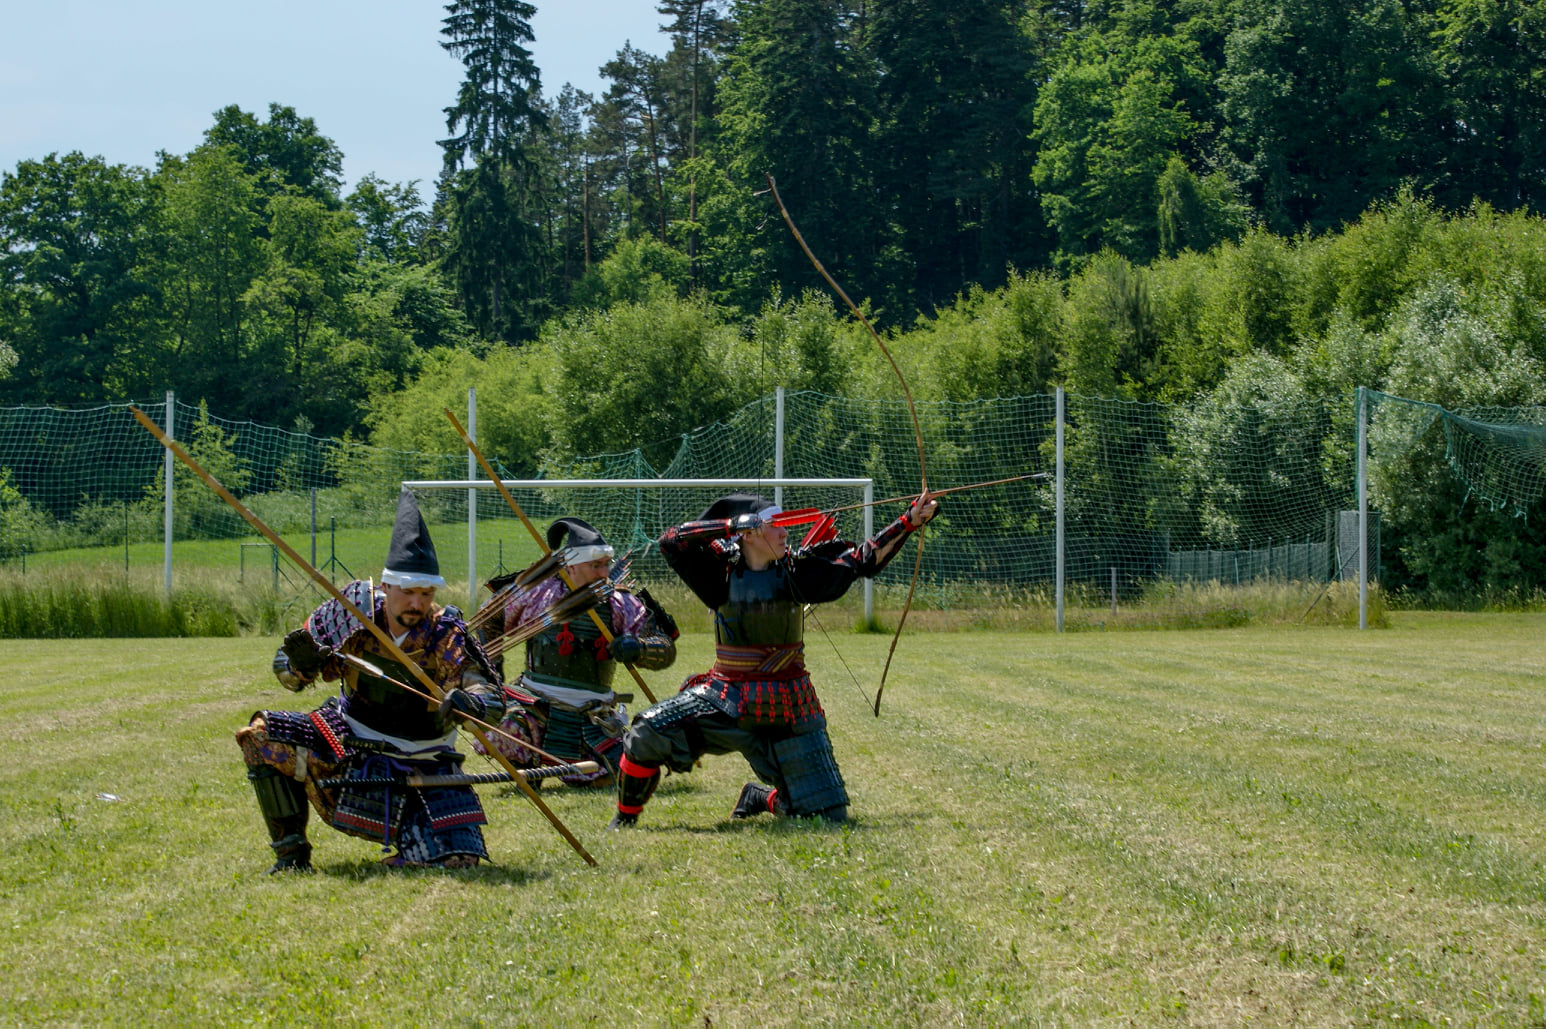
[(472, 502), (314, 526), (1363, 507), (869, 531), (1058, 474), (778, 447), (166, 471)]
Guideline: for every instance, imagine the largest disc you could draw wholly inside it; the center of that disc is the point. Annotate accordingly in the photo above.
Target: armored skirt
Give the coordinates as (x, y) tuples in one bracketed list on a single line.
[(773, 720), (342, 776)]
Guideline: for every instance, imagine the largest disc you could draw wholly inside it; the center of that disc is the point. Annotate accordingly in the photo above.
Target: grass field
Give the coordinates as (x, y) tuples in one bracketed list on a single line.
[(1248, 826)]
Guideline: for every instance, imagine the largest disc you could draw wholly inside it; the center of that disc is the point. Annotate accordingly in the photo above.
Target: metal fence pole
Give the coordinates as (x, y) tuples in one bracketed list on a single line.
[(778, 446), (1363, 507), (472, 503), (171, 403), (1059, 502), (869, 531)]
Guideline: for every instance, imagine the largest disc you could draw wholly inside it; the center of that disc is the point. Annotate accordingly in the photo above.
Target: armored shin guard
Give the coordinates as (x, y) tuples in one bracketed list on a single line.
[(635, 784), (282, 801), (812, 783)]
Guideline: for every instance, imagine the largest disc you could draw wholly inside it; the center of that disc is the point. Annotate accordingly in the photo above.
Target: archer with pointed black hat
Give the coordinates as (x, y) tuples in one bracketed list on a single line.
[(570, 666), (374, 727), (757, 699)]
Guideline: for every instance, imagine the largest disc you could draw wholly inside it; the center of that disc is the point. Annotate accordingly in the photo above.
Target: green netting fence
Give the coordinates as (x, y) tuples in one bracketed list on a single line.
[(1211, 492)]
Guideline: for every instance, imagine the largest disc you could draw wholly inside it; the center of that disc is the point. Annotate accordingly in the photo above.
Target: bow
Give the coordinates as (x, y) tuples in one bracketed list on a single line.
[(606, 633), (469, 779), (384, 637), (923, 473)]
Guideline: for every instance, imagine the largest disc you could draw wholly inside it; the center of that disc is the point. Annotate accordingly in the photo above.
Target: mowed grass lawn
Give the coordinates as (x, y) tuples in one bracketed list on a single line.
[(1273, 827)]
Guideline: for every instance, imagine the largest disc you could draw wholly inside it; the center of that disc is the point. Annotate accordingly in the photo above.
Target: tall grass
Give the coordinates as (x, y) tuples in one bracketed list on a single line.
[(82, 603), (85, 601)]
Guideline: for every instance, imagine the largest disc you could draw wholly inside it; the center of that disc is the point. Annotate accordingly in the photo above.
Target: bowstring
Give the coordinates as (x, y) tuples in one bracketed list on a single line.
[(809, 609)]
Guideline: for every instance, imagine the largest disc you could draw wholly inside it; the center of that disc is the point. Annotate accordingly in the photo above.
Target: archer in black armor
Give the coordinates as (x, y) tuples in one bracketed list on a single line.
[(757, 699), (376, 728)]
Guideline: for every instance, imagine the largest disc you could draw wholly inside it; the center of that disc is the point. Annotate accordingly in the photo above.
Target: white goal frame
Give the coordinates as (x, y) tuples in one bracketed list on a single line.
[(778, 484)]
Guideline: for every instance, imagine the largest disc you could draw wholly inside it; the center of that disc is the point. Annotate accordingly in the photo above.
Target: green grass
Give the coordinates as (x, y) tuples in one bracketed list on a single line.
[(1302, 826)]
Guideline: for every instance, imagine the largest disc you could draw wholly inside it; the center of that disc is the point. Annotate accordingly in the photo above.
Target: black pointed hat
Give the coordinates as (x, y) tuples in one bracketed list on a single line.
[(579, 541), (738, 504), (411, 560)]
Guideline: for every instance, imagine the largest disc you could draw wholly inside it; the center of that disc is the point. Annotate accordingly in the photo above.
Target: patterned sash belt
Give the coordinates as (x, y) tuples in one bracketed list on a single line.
[(774, 660), (761, 686)]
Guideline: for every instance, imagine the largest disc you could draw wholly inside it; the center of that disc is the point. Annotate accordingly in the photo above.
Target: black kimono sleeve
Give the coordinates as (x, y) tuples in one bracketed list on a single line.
[(824, 572), (699, 555)]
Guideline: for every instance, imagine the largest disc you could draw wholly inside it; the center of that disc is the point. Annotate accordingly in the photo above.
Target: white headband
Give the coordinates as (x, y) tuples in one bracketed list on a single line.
[(410, 580), (580, 555)]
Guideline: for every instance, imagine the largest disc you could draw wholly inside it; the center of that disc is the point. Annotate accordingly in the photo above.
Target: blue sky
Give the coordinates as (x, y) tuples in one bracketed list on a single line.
[(125, 80)]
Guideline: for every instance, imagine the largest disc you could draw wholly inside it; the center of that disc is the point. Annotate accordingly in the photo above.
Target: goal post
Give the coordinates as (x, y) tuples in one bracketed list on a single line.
[(619, 508)]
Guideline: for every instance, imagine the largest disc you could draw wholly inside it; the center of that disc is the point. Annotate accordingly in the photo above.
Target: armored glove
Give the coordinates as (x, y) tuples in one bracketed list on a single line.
[(627, 648), (749, 522), (663, 621), (305, 654), (459, 701)]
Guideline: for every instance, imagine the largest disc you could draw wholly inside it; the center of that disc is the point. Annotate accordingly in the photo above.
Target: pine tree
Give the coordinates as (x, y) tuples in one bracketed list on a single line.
[(494, 251)]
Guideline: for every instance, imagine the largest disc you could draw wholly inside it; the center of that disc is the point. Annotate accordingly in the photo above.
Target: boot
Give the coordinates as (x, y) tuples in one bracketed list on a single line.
[(282, 802), (292, 849), (755, 799)]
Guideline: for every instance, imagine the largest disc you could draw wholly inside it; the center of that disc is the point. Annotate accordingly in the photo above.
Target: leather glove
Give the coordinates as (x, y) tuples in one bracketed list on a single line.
[(627, 648), (305, 654), (459, 701)]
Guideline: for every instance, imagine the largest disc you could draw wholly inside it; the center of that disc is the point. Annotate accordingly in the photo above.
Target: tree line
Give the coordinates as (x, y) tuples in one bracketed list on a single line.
[(1220, 201)]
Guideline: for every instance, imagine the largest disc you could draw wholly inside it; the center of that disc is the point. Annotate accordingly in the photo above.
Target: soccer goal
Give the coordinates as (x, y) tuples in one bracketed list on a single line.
[(630, 513)]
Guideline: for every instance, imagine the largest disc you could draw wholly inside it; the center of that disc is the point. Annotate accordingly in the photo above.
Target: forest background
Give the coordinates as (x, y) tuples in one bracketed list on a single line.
[(1247, 204)]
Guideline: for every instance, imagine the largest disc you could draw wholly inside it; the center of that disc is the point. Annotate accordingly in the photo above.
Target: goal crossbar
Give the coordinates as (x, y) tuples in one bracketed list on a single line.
[(868, 484), (777, 483)]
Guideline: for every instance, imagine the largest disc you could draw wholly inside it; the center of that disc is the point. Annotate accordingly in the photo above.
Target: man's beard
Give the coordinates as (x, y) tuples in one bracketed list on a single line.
[(408, 619)]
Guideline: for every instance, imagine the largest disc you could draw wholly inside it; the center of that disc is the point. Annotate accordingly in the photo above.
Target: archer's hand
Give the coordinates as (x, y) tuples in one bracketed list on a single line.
[(459, 702), (305, 654), (627, 648), (922, 510), (750, 522)]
